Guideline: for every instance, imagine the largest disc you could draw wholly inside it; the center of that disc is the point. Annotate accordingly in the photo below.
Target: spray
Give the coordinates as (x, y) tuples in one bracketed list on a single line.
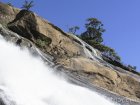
[(26, 80)]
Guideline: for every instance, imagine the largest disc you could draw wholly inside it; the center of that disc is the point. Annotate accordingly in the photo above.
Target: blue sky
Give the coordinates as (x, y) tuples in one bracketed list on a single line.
[(121, 19)]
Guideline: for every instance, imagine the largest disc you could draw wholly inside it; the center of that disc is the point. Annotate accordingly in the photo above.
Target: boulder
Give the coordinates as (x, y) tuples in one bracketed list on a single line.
[(7, 13), (47, 37), (105, 77), (68, 52)]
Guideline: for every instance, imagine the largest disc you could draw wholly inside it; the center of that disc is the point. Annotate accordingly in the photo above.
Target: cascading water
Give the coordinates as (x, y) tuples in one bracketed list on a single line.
[(25, 80), (90, 54)]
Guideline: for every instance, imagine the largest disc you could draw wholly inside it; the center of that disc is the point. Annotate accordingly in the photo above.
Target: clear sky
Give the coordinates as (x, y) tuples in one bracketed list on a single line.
[(121, 19)]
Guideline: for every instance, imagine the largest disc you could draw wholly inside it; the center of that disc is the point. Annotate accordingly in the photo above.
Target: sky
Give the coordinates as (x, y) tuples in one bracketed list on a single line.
[(121, 19)]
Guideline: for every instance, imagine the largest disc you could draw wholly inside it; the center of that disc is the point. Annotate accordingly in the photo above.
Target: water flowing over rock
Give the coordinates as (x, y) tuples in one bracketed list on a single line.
[(27, 81), (69, 55)]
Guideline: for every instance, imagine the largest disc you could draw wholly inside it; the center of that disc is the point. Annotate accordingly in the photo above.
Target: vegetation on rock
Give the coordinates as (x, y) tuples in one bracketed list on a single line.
[(73, 29), (93, 36), (94, 30), (27, 5), (43, 41), (132, 67)]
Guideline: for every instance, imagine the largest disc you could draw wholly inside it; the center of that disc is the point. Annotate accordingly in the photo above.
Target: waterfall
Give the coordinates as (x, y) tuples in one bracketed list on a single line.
[(92, 54), (26, 80)]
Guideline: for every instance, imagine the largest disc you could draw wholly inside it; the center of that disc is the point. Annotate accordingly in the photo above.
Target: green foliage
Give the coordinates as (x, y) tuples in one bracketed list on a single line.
[(132, 67), (93, 36), (43, 41), (94, 30), (27, 5), (107, 51), (73, 29)]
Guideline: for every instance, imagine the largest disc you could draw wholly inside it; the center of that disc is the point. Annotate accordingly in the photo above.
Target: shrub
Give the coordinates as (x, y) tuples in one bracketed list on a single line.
[(107, 51), (132, 67), (27, 5), (43, 41), (73, 29)]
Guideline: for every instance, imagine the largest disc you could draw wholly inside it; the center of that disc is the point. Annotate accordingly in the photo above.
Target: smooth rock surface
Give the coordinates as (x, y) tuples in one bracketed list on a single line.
[(68, 54)]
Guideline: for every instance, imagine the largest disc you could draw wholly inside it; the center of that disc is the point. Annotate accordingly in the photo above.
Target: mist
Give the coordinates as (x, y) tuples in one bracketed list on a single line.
[(26, 80)]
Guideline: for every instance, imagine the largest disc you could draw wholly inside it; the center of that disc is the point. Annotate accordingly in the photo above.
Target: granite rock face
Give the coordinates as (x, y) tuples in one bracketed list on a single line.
[(44, 34), (7, 13), (69, 53)]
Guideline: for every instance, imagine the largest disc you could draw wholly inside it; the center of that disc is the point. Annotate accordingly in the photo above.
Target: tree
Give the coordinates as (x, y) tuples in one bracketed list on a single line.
[(107, 51), (94, 30), (93, 36), (27, 5), (73, 29)]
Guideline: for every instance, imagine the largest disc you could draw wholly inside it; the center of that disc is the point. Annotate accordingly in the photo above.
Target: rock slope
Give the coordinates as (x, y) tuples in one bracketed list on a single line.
[(66, 52)]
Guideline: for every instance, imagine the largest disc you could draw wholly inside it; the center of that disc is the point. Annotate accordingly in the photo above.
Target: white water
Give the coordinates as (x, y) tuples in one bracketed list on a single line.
[(27, 81), (88, 54)]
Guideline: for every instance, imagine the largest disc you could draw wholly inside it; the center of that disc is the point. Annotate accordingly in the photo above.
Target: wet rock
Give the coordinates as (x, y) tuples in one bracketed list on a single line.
[(69, 54)]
